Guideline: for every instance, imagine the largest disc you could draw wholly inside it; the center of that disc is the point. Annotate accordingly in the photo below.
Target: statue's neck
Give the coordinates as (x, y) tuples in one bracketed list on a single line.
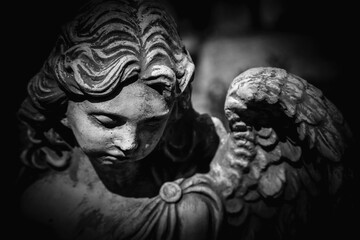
[(130, 179)]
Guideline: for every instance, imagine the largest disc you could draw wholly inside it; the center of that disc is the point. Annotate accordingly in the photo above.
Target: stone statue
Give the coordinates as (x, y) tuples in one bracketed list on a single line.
[(114, 149)]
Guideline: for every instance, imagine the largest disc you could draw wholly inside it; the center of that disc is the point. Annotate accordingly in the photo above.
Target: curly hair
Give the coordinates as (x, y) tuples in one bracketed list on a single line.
[(108, 43)]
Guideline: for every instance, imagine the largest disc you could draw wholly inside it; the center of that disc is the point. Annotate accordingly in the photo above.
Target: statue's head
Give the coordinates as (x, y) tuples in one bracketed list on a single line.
[(115, 80)]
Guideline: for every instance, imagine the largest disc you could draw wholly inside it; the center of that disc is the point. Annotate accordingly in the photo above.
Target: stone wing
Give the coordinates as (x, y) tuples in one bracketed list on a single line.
[(282, 163)]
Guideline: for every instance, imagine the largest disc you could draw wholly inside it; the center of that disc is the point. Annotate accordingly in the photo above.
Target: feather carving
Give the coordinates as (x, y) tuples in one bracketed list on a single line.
[(286, 142)]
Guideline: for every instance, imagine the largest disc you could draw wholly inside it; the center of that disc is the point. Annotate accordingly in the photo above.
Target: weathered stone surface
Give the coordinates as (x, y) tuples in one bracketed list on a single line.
[(115, 150)]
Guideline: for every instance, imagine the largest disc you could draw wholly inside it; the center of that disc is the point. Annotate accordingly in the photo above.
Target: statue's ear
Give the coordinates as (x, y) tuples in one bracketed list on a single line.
[(187, 72)]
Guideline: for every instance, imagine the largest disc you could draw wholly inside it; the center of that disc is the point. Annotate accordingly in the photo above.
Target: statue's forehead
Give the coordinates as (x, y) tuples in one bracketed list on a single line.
[(134, 101)]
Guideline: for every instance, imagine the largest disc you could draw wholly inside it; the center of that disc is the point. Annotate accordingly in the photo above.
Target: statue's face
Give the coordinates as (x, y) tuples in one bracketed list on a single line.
[(126, 127)]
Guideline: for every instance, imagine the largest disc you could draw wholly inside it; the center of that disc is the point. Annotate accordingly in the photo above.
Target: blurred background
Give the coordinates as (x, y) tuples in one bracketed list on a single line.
[(308, 38), (315, 40)]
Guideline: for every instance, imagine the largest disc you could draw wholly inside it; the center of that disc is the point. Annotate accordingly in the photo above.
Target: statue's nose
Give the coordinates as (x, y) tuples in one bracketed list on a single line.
[(127, 140), (126, 145)]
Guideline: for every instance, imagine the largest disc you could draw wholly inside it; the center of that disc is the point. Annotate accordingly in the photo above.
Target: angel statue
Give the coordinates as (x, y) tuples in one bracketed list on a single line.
[(113, 148)]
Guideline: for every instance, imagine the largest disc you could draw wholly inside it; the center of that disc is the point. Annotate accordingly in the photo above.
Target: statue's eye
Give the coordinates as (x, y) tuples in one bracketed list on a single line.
[(154, 122), (108, 121)]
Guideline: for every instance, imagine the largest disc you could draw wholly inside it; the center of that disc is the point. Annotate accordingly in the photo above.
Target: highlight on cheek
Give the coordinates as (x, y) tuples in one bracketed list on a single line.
[(107, 135)]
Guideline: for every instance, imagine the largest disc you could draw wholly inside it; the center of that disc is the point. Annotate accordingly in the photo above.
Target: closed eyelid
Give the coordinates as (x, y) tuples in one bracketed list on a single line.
[(108, 120), (155, 120), (159, 81)]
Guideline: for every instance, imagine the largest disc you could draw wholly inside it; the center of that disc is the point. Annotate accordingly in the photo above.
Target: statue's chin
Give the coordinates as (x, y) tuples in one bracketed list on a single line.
[(126, 177)]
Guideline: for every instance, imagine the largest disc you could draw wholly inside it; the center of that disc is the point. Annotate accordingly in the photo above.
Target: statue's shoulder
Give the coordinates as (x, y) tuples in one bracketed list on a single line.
[(52, 200), (56, 198)]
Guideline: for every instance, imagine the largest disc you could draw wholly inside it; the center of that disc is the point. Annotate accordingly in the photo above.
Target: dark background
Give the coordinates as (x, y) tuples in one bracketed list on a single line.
[(30, 29)]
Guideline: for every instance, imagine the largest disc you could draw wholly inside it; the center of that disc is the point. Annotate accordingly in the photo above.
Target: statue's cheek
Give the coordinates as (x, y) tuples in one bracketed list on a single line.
[(91, 140), (149, 137)]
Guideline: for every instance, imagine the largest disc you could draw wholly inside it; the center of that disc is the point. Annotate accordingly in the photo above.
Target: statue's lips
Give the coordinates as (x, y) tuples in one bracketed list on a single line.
[(110, 159)]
